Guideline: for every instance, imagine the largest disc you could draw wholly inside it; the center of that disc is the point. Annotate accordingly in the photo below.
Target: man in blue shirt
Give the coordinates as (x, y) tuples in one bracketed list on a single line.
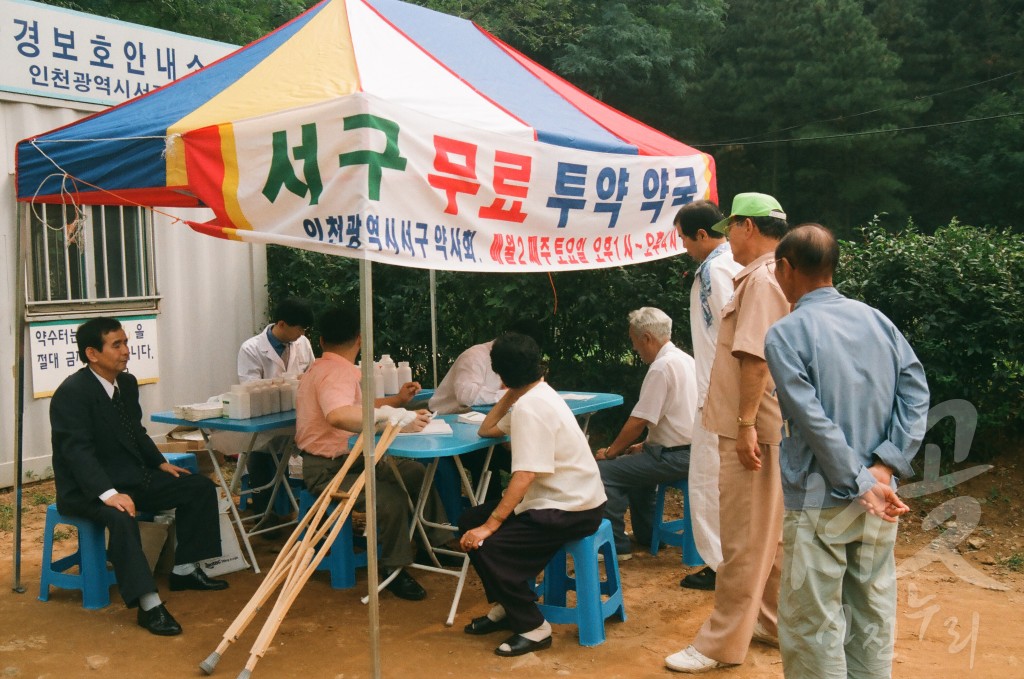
[(855, 403)]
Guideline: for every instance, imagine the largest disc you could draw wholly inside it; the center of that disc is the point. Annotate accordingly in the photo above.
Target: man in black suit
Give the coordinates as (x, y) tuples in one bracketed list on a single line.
[(107, 468)]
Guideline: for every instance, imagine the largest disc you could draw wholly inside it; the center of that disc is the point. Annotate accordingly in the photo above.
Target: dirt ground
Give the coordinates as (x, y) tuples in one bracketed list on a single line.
[(961, 612)]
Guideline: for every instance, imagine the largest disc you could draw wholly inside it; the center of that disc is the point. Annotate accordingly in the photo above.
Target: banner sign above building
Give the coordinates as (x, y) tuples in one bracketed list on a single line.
[(62, 54)]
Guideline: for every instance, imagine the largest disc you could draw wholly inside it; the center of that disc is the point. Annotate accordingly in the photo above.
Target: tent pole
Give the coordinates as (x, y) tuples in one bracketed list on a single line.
[(21, 267), (366, 333), (433, 322)]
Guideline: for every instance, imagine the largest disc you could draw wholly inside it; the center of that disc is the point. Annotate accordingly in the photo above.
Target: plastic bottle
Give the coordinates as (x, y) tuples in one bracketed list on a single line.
[(404, 373), (390, 374), (255, 399), (378, 381), (287, 396), (241, 397), (272, 398)]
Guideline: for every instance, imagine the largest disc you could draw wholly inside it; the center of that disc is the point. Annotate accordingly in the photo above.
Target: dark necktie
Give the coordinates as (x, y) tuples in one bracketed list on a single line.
[(122, 413)]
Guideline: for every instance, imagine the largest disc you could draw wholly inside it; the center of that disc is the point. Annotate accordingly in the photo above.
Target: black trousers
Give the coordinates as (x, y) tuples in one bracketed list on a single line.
[(197, 526), (509, 561)]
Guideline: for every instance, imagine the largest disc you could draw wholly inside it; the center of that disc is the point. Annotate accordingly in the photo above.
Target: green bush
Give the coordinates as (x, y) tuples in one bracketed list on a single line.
[(957, 296)]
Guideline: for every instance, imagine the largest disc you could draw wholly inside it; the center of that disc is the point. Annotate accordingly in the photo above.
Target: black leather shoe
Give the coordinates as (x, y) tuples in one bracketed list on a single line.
[(702, 579), (484, 625), (197, 579), (520, 645), (159, 621), (404, 586)]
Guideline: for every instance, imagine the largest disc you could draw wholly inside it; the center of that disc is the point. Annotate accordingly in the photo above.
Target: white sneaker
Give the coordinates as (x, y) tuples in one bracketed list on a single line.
[(692, 661), (762, 635)]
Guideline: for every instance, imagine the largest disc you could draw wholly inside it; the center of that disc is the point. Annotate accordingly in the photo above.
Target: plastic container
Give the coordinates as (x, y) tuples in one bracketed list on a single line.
[(404, 373), (389, 374), (378, 381), (239, 408), (255, 399)]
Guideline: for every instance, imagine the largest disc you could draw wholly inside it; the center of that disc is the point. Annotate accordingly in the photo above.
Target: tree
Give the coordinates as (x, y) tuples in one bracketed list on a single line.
[(772, 82), (233, 21)]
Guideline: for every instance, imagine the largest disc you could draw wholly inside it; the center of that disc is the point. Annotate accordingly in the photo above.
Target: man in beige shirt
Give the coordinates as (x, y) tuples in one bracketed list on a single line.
[(742, 410)]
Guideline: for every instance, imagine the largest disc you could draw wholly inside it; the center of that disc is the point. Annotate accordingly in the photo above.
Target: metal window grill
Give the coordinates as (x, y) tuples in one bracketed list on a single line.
[(89, 254)]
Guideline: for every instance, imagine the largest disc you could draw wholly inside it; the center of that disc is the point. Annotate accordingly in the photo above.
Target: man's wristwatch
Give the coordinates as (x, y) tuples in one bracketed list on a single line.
[(746, 423)]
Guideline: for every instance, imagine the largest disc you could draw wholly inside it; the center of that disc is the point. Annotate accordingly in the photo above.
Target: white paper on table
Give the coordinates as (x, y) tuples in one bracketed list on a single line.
[(577, 397), (472, 417), (435, 426)]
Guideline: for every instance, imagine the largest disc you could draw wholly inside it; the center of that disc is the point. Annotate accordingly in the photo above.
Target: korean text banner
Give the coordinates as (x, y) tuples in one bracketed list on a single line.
[(362, 177)]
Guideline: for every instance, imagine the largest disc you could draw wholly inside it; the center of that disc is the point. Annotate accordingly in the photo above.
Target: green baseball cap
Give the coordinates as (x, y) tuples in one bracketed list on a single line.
[(751, 205)]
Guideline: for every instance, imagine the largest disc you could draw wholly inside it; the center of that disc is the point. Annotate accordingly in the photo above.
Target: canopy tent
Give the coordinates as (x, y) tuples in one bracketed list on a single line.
[(396, 117), (387, 132)]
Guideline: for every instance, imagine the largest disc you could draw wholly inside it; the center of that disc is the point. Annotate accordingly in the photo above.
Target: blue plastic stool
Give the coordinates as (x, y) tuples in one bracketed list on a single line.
[(183, 460), (341, 560), (93, 578), (678, 532), (282, 507), (590, 611)]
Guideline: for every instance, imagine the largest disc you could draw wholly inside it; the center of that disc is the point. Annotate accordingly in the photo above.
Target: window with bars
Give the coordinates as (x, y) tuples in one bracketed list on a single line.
[(106, 256)]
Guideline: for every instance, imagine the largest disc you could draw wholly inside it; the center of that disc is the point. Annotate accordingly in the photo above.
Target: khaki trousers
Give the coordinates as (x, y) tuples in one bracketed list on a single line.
[(747, 585), (837, 607)]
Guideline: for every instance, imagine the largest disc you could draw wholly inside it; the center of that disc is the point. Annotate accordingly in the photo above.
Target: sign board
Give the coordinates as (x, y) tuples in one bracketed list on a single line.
[(54, 352), (62, 54)]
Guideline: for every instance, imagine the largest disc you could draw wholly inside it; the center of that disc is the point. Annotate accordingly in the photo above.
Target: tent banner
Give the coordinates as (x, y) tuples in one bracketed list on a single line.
[(366, 178)]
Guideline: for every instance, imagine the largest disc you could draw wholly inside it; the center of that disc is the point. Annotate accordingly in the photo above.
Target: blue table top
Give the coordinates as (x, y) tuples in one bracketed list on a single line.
[(595, 402), (464, 437), (254, 424)]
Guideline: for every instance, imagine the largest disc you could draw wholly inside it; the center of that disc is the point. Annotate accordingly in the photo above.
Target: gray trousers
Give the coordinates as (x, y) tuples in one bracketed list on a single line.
[(393, 512), (630, 482)]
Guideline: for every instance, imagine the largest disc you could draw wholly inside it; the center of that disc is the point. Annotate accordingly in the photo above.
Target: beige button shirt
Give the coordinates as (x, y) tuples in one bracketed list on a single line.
[(756, 304)]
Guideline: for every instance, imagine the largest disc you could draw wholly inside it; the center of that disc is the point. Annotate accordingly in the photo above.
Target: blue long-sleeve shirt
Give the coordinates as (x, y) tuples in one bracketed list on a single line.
[(851, 391)]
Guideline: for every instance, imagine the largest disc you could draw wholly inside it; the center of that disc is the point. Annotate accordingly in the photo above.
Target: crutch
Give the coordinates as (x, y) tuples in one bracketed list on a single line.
[(296, 550)]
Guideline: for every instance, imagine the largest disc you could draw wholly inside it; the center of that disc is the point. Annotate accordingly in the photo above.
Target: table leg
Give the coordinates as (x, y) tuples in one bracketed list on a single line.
[(235, 518)]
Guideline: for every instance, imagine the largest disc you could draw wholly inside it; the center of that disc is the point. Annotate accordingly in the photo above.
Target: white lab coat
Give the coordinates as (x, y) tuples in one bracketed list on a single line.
[(257, 360)]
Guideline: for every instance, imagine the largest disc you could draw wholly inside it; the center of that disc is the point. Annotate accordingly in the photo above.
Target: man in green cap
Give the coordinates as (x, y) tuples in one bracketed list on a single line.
[(742, 410)]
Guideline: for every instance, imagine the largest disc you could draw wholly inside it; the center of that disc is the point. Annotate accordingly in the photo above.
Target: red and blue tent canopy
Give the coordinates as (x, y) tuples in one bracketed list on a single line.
[(381, 129)]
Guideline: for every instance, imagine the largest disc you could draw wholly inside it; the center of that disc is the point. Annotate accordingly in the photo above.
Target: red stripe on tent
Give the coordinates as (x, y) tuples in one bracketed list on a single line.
[(171, 196), (211, 229), (204, 165)]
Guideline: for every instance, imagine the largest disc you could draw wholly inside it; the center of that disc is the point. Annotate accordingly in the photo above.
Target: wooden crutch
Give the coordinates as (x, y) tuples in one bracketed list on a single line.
[(303, 567), (298, 550), (279, 570)]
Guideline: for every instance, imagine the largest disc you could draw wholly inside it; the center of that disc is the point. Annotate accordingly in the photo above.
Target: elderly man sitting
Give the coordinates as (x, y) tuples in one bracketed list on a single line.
[(668, 399)]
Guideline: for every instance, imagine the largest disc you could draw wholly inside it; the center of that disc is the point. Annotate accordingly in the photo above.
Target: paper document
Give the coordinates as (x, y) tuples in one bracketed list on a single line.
[(472, 417), (577, 397), (436, 426)]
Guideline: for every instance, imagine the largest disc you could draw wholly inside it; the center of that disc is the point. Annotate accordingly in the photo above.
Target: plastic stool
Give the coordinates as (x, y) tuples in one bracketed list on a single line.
[(341, 560), (590, 611), (93, 578), (282, 507), (183, 460), (678, 532)]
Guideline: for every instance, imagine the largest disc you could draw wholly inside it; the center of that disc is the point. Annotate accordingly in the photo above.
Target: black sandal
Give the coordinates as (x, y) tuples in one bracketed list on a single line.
[(520, 645), (484, 625)]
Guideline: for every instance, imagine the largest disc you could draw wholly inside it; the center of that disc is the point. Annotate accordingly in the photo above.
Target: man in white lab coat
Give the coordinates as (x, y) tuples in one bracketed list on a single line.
[(281, 348)]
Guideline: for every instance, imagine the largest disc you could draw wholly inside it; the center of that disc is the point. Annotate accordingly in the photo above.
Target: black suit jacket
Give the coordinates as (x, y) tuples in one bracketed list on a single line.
[(92, 451)]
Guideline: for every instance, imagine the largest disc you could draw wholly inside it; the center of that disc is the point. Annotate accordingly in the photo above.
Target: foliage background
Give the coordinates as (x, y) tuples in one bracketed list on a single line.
[(955, 294)]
